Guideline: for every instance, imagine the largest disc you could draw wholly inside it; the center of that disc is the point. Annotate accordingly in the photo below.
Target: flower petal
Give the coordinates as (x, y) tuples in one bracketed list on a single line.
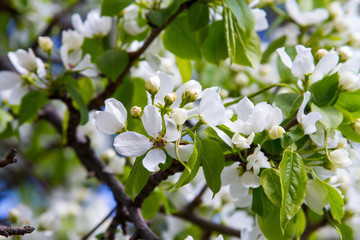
[(244, 109), (261, 23), (250, 180), (284, 57), (304, 61), (64, 54), (132, 144), (83, 64), (152, 120), (117, 108), (185, 151), (166, 86), (172, 133), (301, 110), (223, 136), (107, 122), (325, 65), (229, 174), (153, 158), (17, 94), (308, 122), (9, 80)]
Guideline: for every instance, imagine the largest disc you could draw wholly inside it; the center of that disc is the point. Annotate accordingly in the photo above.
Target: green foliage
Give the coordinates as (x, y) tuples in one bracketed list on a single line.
[(159, 17), (272, 48), (248, 51), (300, 223), (213, 163), (270, 181), (152, 204), (214, 48), (185, 68), (288, 103), (31, 103), (244, 17), (74, 91), (179, 40), (135, 183), (113, 63), (92, 46), (331, 117), (261, 205), (293, 186), (198, 16), (324, 91), (113, 7)]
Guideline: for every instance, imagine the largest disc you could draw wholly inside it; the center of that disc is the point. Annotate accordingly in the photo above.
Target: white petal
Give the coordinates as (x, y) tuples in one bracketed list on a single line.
[(117, 108), (41, 71), (229, 174), (9, 80), (83, 64), (172, 133), (250, 180), (284, 57), (17, 94), (300, 113), (166, 86), (152, 120), (244, 109), (153, 158), (308, 122), (132, 144), (107, 122), (77, 23), (190, 84), (185, 151), (223, 136), (304, 61), (351, 65), (213, 114), (64, 55), (325, 65), (261, 23)]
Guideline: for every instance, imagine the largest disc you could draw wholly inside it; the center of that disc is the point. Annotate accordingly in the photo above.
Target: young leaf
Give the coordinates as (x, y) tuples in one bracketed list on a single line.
[(73, 89), (213, 162), (261, 205), (152, 204), (248, 52), (272, 48), (198, 16), (336, 203), (300, 223), (288, 103), (324, 91), (179, 40), (243, 15), (349, 101), (230, 34), (31, 103), (185, 68), (137, 178), (214, 48), (293, 186), (270, 181), (112, 63), (113, 7), (331, 117), (87, 89)]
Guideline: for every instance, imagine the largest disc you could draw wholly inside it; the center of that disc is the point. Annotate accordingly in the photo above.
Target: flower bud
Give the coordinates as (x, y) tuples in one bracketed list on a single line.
[(341, 24), (242, 142), (224, 93), (345, 53), (179, 115), (357, 126), (335, 9), (349, 81), (320, 53), (152, 84), (45, 43), (135, 112), (190, 95), (241, 79), (340, 158), (276, 132), (14, 215), (72, 38), (170, 98)]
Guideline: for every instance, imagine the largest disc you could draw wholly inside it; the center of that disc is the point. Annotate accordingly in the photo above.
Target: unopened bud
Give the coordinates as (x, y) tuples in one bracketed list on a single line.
[(152, 84), (320, 53), (224, 93), (135, 112), (265, 70), (340, 158), (354, 39), (341, 24), (190, 95), (335, 9), (14, 215), (241, 79), (170, 98), (276, 132), (345, 53), (45, 43), (179, 115), (349, 81), (357, 126)]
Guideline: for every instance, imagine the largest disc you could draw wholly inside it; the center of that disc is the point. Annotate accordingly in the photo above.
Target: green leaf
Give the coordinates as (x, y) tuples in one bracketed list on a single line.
[(300, 223), (86, 88), (270, 226), (243, 15), (270, 181), (194, 165), (293, 186), (324, 91), (291, 137), (185, 68), (349, 132), (92, 46), (336, 203), (73, 89), (280, 42), (31, 103), (179, 40), (152, 204), (230, 34), (113, 7), (331, 117), (261, 205), (161, 16), (112, 63), (214, 48), (288, 103), (213, 162), (349, 101), (198, 16), (5, 118), (137, 179), (248, 53)]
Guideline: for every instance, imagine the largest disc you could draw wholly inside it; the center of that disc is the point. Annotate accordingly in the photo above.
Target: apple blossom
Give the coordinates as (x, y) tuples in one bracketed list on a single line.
[(94, 25), (179, 115), (340, 158), (11, 87), (26, 62), (133, 144), (257, 160), (152, 84), (112, 119), (307, 120), (305, 18), (72, 38), (242, 142), (345, 53)]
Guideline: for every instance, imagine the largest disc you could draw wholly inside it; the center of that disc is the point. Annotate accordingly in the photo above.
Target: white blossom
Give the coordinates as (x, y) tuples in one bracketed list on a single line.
[(305, 18), (94, 25), (257, 160), (307, 120)]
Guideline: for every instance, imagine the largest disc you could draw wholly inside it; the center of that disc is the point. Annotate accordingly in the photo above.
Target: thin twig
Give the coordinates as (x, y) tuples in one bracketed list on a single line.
[(196, 201), (98, 225), (9, 158)]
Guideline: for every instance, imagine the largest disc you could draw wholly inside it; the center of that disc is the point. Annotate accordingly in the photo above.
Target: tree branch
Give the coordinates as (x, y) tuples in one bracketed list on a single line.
[(9, 158), (10, 231), (98, 225)]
